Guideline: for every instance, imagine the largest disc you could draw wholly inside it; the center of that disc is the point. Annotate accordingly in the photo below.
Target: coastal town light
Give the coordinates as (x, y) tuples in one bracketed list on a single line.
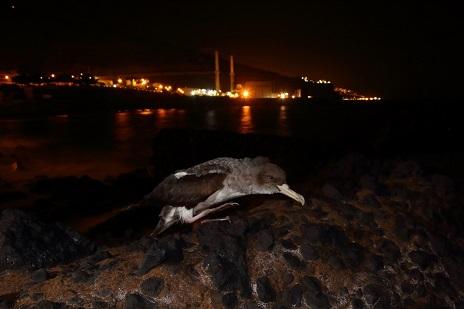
[(246, 93), (7, 77), (119, 80)]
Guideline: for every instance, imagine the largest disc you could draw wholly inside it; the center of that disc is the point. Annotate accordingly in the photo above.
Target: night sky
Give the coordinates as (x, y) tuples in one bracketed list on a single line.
[(395, 50)]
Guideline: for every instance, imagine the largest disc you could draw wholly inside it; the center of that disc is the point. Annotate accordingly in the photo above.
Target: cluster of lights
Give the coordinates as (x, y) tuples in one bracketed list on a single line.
[(204, 92), (283, 95), (321, 81), (368, 99), (231, 94)]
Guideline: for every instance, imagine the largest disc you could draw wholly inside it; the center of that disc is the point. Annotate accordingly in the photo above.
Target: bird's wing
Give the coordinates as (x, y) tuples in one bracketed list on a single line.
[(216, 166), (188, 190)]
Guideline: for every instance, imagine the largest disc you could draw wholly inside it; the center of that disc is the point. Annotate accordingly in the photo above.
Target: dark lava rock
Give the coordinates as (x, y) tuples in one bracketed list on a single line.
[(313, 233), (317, 300), (225, 257), (155, 255), (372, 293), (105, 293), (265, 291), (331, 192), (45, 304), (371, 201), (135, 301), (422, 258), (282, 231), (288, 278), (357, 303), (101, 305), (152, 286), (81, 276), (335, 262), (407, 287), (400, 229), (99, 256), (309, 252), (312, 284), (256, 224), (251, 305), (264, 240), (390, 251), (405, 169), (293, 260), (416, 275), (459, 304), (294, 295), (39, 275), (229, 300), (442, 284), (7, 301), (367, 219), (352, 255), (368, 182), (349, 212), (27, 242), (37, 296), (288, 244)]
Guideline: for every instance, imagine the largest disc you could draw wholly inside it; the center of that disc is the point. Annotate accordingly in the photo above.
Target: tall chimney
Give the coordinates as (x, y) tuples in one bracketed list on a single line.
[(217, 73), (232, 74)]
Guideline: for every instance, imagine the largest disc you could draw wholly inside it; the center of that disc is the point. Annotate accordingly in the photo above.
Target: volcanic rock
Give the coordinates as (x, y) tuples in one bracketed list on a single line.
[(27, 242)]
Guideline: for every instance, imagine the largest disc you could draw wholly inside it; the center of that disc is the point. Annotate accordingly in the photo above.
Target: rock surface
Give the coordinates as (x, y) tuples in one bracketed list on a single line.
[(27, 242), (373, 234)]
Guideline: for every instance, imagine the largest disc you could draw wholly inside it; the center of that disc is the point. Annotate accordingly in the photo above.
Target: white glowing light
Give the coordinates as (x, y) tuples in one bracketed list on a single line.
[(204, 92)]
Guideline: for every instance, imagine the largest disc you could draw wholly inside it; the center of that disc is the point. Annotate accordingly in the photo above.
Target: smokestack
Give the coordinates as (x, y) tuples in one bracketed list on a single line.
[(232, 74), (217, 73)]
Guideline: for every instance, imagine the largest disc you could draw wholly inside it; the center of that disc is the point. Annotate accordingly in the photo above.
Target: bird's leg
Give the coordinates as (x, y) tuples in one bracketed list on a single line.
[(206, 212), (227, 218), (216, 198)]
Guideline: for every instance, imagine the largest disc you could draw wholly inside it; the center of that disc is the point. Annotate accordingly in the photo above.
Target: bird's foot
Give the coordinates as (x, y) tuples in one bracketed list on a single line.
[(206, 212), (226, 205), (217, 220)]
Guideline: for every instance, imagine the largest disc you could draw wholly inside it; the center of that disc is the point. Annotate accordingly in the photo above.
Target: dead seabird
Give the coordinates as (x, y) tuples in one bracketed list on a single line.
[(193, 193)]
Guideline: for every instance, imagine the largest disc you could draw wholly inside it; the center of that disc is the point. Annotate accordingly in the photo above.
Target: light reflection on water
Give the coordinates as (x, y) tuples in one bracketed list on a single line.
[(283, 120), (246, 121), (109, 144), (123, 131)]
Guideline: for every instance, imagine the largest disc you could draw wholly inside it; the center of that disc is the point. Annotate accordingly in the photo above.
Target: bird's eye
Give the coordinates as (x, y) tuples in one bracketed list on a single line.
[(270, 177)]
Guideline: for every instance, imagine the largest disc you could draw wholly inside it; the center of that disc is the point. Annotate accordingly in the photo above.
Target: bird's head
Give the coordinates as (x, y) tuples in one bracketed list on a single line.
[(271, 179)]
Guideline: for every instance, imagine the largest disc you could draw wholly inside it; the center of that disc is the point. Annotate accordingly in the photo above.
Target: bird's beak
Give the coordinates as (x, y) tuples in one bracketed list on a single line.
[(285, 190)]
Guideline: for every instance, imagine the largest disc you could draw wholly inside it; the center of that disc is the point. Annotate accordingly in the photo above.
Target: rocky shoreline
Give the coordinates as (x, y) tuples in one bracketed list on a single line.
[(376, 232), (373, 234)]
